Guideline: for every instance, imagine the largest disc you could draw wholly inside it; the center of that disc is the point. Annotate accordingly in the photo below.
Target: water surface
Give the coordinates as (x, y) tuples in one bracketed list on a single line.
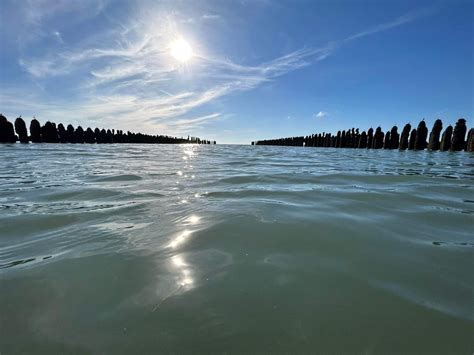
[(235, 249)]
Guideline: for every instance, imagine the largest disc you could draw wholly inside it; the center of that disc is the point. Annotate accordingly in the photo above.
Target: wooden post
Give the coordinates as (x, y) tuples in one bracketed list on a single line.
[(411, 143), (89, 136), (342, 144), (355, 142), (421, 135), (62, 133), (394, 138), (79, 135), (20, 128), (363, 140), (35, 131), (378, 139), (370, 138), (338, 140), (435, 134), (470, 141), (404, 138), (459, 133), (446, 139), (7, 132), (386, 142)]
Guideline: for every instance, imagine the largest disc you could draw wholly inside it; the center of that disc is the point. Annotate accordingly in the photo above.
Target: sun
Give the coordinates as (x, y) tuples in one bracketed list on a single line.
[(181, 50)]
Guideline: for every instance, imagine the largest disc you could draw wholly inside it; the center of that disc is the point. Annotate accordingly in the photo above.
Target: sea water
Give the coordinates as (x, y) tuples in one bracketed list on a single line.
[(136, 249)]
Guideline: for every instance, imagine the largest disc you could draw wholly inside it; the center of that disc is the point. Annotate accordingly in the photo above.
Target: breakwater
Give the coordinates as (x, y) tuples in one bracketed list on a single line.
[(452, 139), (50, 133)]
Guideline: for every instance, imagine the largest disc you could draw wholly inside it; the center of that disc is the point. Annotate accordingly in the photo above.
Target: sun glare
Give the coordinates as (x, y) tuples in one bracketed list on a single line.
[(181, 50)]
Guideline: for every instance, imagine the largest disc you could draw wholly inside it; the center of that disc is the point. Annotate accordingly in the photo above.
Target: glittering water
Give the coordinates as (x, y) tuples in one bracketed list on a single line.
[(234, 249)]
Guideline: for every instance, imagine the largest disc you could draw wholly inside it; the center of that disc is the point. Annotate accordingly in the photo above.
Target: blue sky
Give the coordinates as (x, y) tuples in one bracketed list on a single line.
[(260, 68)]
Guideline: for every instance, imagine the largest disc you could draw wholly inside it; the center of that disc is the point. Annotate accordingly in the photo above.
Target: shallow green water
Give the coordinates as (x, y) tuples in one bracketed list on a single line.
[(235, 249)]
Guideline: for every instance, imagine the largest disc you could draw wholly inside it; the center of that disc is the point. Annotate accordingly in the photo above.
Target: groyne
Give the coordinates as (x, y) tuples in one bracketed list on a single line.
[(411, 139), (50, 133)]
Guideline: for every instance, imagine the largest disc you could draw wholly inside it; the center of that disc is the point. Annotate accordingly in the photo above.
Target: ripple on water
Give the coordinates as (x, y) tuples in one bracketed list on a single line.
[(118, 178)]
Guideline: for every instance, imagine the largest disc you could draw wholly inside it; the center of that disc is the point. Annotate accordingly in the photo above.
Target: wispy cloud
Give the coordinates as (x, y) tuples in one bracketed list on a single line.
[(128, 75), (38, 11), (406, 18), (210, 17), (321, 114), (196, 120)]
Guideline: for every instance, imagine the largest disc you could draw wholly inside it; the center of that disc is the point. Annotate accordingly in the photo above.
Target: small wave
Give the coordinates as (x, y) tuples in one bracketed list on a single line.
[(113, 178), (454, 307), (22, 262), (457, 244)]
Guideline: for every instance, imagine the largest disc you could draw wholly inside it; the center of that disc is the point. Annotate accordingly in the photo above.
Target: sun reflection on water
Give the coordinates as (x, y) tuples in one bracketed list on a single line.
[(183, 272), (180, 239), (185, 278), (194, 219)]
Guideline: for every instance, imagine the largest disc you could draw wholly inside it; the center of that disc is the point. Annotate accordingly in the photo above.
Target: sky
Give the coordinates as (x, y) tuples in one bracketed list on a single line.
[(259, 68)]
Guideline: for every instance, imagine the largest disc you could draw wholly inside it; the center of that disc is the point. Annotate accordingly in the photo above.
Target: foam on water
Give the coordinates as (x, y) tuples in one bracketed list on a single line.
[(204, 249)]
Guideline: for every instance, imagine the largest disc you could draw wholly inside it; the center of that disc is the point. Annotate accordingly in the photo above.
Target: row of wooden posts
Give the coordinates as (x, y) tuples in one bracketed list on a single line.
[(412, 139), (49, 133)]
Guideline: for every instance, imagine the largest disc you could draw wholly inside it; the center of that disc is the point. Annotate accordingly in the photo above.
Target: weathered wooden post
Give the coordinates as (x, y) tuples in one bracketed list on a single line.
[(79, 135), (363, 140), (103, 136), (3, 129), (411, 143), (470, 141), (97, 135), (62, 133), (35, 131), (459, 133), (394, 138), (421, 135), (386, 141), (347, 140), (49, 133), (355, 142), (378, 139), (433, 143), (338, 139), (89, 136), (110, 137), (70, 134), (7, 132), (404, 138), (20, 128), (54, 133), (446, 139), (342, 143), (370, 138)]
